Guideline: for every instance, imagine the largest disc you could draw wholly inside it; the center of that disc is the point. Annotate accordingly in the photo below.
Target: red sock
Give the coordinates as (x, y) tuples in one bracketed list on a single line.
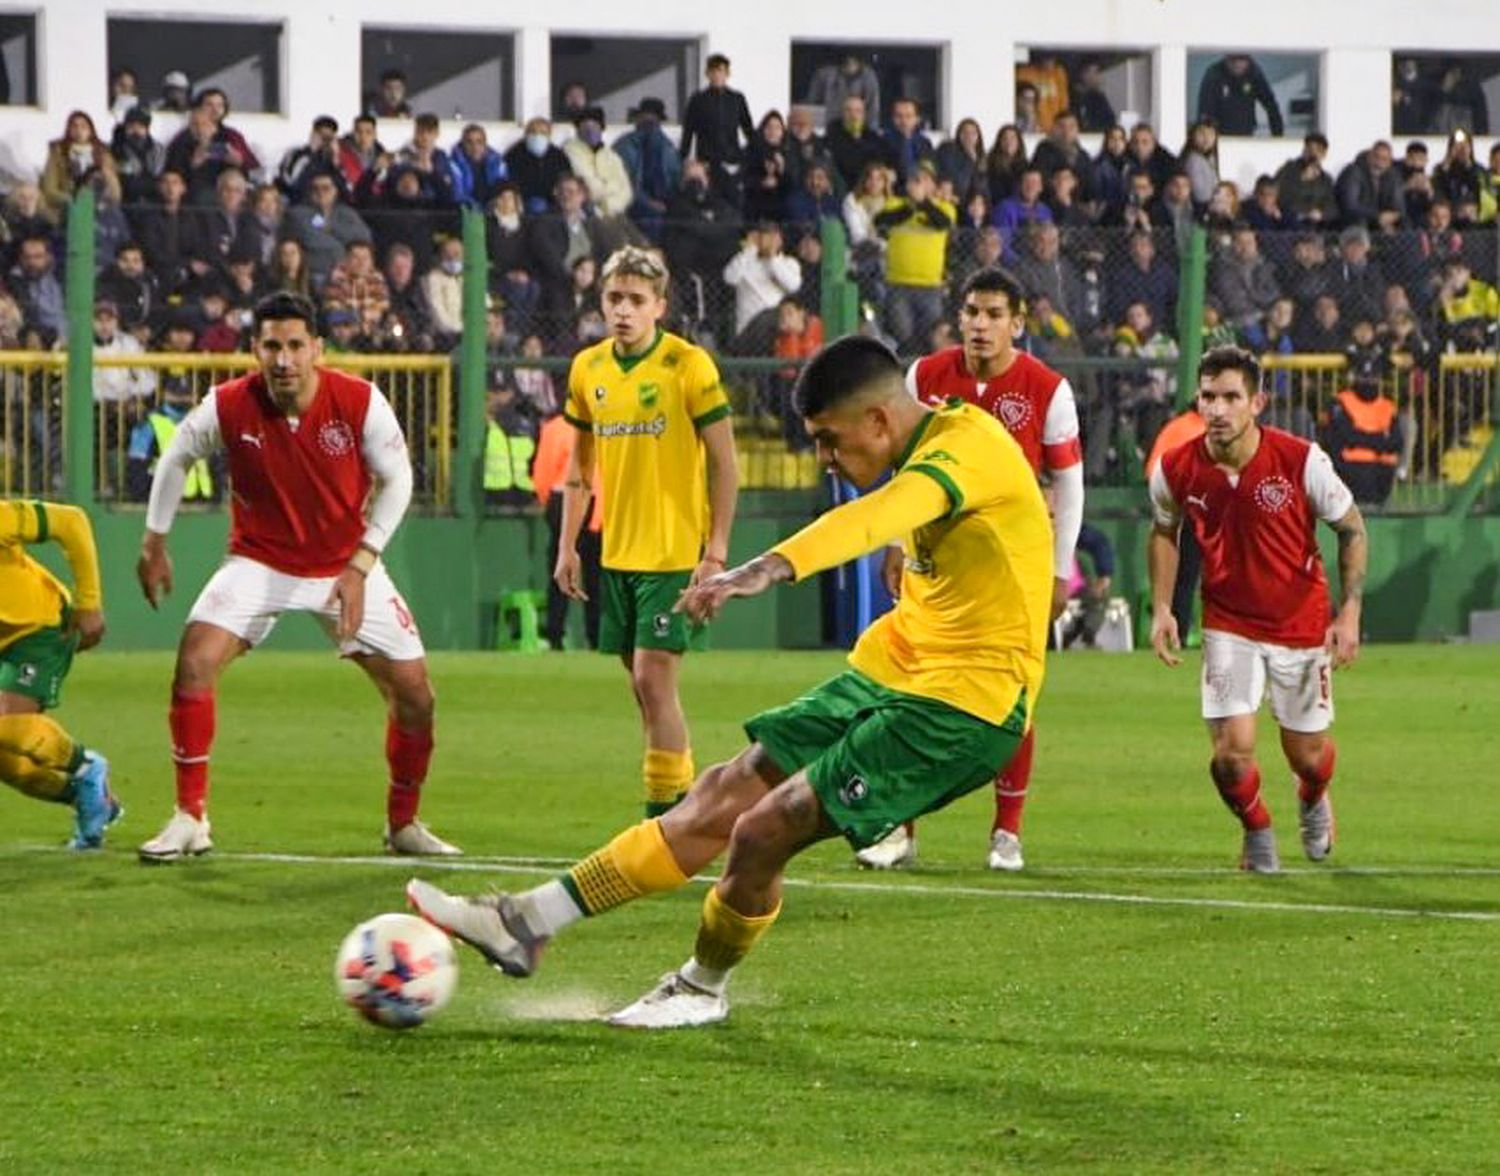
[(1243, 798), (1310, 789), (1010, 787), (192, 721), (407, 753)]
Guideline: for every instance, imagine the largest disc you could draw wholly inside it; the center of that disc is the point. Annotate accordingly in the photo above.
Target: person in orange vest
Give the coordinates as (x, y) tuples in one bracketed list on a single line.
[(549, 470), (1181, 429), (1365, 434)]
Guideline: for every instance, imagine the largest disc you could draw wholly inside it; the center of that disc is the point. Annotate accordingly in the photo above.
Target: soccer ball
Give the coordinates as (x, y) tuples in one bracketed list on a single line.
[(396, 971)]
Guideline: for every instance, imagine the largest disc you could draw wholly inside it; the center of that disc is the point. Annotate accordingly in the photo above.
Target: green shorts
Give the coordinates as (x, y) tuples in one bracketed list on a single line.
[(37, 664), (637, 613), (876, 757)]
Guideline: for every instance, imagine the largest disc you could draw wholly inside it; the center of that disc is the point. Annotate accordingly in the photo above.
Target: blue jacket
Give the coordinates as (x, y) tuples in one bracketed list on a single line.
[(905, 153), (476, 185), (652, 162)]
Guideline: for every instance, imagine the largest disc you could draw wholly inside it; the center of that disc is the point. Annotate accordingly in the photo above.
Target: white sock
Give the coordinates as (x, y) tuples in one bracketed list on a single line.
[(709, 979), (548, 908)]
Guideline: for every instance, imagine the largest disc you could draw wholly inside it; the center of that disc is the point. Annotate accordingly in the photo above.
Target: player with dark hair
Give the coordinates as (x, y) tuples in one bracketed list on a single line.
[(936, 700), (1036, 405), (652, 415), (1253, 496), (304, 445)]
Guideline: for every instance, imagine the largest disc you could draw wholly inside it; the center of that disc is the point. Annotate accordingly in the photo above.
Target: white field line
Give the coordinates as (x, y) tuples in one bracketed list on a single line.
[(542, 865)]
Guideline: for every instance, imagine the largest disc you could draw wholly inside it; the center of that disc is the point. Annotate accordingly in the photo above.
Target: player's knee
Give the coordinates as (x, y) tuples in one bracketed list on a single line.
[(759, 834), (1307, 759), (197, 669), (1229, 765)]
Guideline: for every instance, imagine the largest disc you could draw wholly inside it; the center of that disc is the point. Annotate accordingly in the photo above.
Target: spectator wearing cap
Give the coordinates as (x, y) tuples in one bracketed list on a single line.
[(38, 291), (805, 148), (117, 384), (916, 226), (905, 144), (851, 77), (207, 145), (1304, 189), (766, 186), (716, 127), (131, 287), (174, 93), (325, 225), (761, 274), (359, 150), (853, 143), (429, 161), (1358, 284), (1231, 89), (344, 336), (357, 284), (653, 164), (477, 168), (74, 160), (320, 154), (389, 98), (139, 158), (535, 165), (1365, 433), (1369, 190), (598, 165)]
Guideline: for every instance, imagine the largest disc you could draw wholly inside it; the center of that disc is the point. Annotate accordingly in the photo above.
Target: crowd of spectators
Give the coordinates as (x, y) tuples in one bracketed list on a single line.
[(193, 228)]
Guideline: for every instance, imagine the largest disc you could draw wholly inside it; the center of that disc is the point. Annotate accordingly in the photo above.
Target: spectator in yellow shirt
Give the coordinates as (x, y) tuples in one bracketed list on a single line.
[(916, 227)]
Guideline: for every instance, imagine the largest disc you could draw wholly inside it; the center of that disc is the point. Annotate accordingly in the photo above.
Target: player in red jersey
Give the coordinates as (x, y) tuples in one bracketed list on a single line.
[(1036, 405), (1253, 497), (304, 445)]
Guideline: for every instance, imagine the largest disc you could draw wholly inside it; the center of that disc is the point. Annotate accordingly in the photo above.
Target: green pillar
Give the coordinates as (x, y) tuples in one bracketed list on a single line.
[(468, 491), (78, 410), (1192, 279), (1467, 495), (840, 296)]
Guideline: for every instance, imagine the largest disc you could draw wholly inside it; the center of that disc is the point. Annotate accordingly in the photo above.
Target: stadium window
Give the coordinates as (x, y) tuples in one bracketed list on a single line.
[(18, 59), (1102, 86), (1294, 80), (242, 58), (617, 72), (902, 71), (467, 74), (1439, 93)]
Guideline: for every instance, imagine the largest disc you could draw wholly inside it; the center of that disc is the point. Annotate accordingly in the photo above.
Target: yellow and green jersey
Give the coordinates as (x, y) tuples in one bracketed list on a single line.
[(970, 627), (31, 597), (645, 413)]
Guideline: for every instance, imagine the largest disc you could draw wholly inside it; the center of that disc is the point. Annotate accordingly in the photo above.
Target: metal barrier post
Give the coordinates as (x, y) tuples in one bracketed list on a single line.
[(1192, 278), (840, 296), (78, 412), (468, 496)]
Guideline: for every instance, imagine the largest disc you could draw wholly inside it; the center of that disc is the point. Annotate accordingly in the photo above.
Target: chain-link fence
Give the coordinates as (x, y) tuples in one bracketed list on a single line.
[(32, 404)]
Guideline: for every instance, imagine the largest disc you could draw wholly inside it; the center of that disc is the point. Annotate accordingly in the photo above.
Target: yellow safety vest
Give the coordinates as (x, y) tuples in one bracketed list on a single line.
[(200, 482), (507, 460)]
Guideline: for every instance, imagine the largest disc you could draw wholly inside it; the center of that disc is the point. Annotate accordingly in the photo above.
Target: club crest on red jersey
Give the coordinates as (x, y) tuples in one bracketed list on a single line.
[(336, 439), (1274, 494), (1013, 411)]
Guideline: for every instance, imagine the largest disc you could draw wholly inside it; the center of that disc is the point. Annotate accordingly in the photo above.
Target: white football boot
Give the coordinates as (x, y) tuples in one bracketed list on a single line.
[(673, 1004), (897, 849), (417, 840), (489, 923), (1005, 852), (183, 836), (1315, 822), (1258, 855)]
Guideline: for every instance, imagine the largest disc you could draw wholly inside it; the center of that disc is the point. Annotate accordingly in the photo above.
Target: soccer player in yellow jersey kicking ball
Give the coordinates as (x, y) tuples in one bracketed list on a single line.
[(41, 626), (651, 412), (935, 702)]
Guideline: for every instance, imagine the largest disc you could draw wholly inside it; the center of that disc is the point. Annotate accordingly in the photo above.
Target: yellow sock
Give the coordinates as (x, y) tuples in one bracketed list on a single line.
[(725, 936), (38, 757), (636, 863), (667, 775)]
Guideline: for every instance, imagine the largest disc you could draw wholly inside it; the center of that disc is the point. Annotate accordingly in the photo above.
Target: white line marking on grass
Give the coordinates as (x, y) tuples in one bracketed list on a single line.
[(537, 865)]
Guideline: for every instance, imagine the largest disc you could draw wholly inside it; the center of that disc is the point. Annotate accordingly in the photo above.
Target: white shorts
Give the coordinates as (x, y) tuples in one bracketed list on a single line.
[(1235, 671), (247, 598)]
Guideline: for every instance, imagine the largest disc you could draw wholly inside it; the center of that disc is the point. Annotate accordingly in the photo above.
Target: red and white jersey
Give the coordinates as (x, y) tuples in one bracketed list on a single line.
[(1031, 400), (299, 484), (1262, 573)]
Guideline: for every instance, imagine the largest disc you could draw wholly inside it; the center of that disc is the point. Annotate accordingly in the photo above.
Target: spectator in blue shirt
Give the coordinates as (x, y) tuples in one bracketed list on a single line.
[(906, 145), (653, 164), (476, 168)]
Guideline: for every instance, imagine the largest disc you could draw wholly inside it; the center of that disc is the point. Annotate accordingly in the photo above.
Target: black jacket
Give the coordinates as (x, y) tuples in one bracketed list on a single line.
[(712, 126), (1230, 101)]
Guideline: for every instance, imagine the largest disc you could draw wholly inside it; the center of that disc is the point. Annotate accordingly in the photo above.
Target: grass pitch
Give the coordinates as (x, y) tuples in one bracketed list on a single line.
[(1129, 1003)]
